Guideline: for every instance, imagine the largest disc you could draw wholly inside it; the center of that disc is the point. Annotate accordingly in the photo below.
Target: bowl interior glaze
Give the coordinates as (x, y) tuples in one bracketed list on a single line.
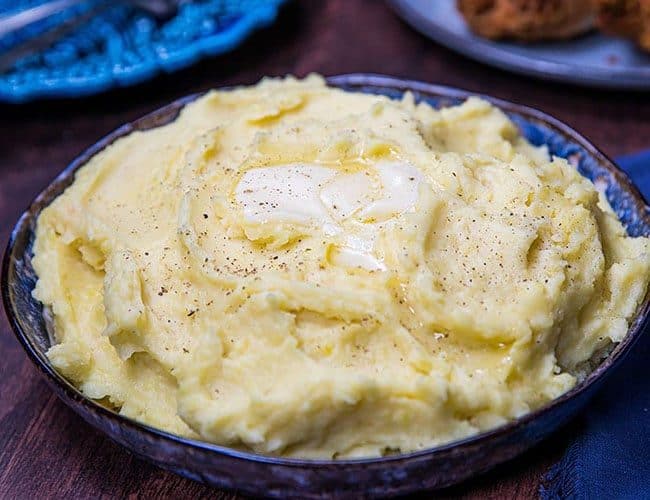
[(281, 477)]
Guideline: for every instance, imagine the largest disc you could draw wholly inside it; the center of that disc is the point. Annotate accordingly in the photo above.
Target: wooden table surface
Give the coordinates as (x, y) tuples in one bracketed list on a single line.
[(45, 449)]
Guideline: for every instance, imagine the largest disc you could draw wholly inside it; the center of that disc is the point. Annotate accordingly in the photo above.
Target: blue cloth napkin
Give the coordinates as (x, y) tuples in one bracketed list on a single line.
[(610, 458)]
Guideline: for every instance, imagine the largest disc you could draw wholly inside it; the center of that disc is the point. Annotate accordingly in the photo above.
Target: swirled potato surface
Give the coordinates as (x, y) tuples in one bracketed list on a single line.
[(302, 271)]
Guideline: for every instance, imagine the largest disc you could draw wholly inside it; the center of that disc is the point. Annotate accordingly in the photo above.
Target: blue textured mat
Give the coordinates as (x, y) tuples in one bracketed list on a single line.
[(122, 45)]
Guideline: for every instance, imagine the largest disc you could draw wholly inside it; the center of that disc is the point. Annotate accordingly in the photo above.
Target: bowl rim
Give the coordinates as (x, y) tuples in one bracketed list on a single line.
[(360, 81)]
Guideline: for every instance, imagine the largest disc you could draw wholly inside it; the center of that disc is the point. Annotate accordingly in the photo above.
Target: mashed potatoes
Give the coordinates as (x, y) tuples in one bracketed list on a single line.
[(301, 271)]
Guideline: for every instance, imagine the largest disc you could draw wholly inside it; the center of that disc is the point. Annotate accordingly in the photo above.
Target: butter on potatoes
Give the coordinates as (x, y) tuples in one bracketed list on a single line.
[(307, 272)]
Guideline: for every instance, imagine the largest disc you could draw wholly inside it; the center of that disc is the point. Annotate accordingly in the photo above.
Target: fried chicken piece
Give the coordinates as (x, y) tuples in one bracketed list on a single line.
[(627, 18), (528, 20)]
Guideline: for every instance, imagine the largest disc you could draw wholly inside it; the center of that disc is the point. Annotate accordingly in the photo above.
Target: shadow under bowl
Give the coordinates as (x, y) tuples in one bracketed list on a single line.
[(282, 477)]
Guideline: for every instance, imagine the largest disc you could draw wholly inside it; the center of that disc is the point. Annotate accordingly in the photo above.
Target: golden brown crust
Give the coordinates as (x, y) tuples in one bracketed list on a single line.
[(628, 18), (528, 19)]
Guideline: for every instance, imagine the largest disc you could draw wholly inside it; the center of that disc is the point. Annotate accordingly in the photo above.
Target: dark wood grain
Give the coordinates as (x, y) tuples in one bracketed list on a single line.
[(45, 449)]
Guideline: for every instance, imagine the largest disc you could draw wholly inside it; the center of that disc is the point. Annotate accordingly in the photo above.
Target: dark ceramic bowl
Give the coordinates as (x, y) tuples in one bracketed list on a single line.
[(281, 477)]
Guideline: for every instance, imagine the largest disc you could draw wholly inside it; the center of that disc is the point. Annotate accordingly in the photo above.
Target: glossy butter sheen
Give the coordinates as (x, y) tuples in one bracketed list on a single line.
[(322, 196), (498, 276)]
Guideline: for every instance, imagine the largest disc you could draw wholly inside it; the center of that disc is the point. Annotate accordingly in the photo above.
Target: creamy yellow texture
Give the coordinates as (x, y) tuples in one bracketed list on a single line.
[(418, 277)]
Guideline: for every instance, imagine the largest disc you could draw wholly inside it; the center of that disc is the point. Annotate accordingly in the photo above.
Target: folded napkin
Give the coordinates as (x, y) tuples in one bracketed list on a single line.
[(610, 458)]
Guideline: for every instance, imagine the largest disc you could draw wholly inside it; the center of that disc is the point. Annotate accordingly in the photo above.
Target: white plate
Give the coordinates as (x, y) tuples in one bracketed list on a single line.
[(592, 60)]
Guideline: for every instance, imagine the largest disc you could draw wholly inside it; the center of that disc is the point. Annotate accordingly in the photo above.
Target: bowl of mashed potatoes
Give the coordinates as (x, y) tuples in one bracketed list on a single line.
[(361, 286)]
